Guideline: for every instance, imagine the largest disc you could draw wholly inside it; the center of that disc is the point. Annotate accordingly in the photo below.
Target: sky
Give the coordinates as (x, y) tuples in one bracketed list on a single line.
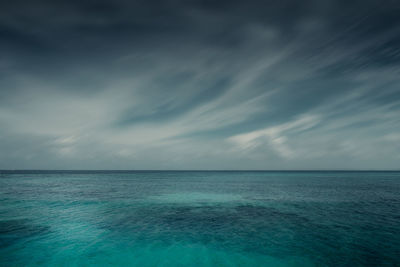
[(228, 85)]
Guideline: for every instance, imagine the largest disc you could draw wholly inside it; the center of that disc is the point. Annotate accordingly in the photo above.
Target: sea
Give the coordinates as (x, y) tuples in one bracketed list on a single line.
[(199, 218)]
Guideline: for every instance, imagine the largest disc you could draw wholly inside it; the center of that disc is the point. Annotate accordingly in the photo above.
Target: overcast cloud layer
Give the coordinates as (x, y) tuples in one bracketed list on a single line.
[(200, 84)]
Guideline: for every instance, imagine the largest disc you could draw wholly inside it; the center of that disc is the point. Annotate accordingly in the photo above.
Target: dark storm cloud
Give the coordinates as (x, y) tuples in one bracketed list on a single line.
[(199, 84)]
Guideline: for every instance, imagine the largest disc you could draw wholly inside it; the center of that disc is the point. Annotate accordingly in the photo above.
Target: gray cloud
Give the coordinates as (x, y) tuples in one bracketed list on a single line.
[(199, 84)]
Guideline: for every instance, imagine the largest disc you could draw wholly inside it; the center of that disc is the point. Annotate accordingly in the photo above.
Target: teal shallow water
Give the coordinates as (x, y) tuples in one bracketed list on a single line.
[(199, 218)]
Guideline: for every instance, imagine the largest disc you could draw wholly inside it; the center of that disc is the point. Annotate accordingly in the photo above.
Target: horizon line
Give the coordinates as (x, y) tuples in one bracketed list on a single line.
[(200, 170)]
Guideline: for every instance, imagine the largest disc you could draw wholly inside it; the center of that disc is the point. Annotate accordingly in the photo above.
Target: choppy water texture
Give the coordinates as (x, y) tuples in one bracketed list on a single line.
[(199, 218)]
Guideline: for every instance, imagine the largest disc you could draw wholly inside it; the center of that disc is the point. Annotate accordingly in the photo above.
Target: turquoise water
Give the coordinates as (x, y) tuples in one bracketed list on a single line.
[(199, 218)]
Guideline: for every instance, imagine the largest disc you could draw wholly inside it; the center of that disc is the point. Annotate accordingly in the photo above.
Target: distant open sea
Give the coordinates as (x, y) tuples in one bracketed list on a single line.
[(196, 218)]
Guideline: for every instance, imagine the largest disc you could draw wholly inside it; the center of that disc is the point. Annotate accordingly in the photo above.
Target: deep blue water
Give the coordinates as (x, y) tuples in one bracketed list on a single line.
[(199, 218)]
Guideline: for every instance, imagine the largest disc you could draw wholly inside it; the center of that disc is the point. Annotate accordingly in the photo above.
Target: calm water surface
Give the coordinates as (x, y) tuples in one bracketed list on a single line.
[(199, 218)]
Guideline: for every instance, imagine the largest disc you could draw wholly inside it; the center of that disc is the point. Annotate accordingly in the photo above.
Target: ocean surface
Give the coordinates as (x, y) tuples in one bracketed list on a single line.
[(183, 218)]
